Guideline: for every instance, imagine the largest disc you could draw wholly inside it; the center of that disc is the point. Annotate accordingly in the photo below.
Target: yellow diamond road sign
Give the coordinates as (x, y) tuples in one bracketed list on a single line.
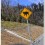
[(25, 13)]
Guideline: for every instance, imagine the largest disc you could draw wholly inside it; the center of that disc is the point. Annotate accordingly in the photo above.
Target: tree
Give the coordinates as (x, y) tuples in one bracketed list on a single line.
[(5, 8)]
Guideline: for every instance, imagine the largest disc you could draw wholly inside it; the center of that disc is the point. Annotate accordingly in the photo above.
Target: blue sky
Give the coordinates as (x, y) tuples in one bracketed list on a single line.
[(25, 2)]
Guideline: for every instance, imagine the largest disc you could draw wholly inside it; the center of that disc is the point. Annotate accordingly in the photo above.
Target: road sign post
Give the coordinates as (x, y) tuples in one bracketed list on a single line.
[(27, 26), (29, 31), (25, 13)]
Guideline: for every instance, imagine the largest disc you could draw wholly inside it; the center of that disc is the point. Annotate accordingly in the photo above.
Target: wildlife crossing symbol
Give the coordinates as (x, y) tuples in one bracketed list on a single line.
[(25, 13)]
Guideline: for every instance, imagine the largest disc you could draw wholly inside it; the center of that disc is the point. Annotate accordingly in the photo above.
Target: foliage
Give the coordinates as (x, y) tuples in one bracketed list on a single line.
[(12, 13)]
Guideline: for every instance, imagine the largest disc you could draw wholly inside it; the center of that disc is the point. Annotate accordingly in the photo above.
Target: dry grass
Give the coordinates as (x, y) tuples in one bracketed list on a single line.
[(8, 39)]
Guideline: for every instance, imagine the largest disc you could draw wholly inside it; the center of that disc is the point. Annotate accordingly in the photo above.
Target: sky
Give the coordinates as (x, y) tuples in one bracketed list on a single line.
[(25, 2)]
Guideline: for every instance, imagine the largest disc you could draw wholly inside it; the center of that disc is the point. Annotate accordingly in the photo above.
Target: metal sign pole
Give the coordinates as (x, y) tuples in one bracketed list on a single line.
[(28, 26), (29, 31)]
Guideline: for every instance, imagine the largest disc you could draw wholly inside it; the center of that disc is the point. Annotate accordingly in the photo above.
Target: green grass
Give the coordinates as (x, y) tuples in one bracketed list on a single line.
[(8, 24)]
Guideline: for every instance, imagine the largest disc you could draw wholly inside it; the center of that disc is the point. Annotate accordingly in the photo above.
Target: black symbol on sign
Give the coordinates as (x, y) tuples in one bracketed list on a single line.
[(25, 13)]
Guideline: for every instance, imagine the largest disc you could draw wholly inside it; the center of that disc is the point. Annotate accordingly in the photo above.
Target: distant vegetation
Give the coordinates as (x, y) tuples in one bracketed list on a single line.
[(12, 13)]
